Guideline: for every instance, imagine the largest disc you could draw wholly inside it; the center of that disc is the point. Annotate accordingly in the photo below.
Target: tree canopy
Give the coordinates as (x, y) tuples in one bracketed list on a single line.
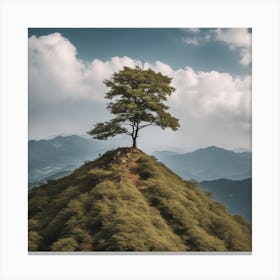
[(137, 99)]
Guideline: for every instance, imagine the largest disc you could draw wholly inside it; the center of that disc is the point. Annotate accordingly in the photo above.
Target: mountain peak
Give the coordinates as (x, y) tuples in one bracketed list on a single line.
[(214, 148), (126, 200), (119, 156)]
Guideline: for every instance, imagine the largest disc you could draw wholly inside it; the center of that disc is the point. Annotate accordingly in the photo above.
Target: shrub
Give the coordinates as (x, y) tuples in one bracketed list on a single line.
[(33, 240), (64, 244), (145, 168)]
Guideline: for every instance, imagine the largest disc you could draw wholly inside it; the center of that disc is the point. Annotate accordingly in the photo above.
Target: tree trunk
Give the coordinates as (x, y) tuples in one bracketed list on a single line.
[(135, 134), (134, 142)]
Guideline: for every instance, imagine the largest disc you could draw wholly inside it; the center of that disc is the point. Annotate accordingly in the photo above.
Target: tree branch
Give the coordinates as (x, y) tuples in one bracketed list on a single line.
[(128, 124), (145, 125), (128, 133)]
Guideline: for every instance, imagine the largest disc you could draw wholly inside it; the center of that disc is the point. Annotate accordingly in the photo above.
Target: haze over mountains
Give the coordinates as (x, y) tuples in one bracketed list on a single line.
[(236, 195), (62, 153), (210, 163), (65, 153)]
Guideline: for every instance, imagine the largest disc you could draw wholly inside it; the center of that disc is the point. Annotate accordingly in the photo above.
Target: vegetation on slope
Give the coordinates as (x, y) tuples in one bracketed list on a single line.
[(127, 201)]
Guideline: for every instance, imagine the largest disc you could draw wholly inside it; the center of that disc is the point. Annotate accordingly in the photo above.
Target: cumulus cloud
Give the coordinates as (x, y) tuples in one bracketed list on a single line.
[(55, 72), (53, 64), (191, 41), (237, 38), (194, 36), (194, 30), (245, 56), (206, 95), (191, 30), (66, 95)]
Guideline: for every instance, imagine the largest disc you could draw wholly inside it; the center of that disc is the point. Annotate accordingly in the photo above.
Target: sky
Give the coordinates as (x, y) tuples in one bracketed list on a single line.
[(210, 70)]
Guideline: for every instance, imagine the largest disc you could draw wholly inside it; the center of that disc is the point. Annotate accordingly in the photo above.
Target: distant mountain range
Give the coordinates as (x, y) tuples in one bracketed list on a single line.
[(236, 195), (57, 157), (210, 163), (63, 153)]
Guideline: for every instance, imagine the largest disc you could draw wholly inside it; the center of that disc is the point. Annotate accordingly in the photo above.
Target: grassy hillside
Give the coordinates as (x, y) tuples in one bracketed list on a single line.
[(127, 201)]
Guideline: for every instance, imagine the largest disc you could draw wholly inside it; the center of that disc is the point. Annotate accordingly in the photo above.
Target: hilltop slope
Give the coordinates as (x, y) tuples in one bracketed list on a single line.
[(128, 201)]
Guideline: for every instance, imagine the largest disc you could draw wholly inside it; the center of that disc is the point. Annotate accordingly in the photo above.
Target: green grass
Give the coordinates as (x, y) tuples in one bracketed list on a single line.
[(128, 201)]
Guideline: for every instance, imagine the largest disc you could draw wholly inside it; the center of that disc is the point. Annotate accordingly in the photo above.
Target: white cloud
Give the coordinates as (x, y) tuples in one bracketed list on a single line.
[(191, 41), (246, 56), (161, 67), (237, 38), (208, 94), (55, 72), (53, 59), (66, 95), (194, 30), (191, 30)]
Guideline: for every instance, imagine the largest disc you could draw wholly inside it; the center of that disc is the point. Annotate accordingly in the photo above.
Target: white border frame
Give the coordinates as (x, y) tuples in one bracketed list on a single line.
[(17, 16)]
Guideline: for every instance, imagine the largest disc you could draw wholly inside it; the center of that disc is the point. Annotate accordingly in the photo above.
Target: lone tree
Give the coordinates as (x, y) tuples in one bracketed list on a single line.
[(137, 98)]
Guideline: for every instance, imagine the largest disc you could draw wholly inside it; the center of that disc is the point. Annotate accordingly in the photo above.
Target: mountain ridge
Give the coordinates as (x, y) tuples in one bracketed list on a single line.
[(126, 200), (236, 195), (51, 156), (209, 163)]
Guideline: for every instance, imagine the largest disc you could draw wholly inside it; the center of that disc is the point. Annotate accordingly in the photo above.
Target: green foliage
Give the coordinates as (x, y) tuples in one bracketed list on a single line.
[(123, 221), (137, 99), (33, 240), (38, 203), (240, 219), (65, 244), (136, 204), (97, 175), (145, 168), (104, 130)]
